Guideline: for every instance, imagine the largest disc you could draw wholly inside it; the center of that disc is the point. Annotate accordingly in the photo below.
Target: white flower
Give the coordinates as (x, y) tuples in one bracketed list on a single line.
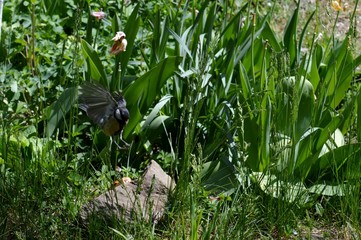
[(120, 43)]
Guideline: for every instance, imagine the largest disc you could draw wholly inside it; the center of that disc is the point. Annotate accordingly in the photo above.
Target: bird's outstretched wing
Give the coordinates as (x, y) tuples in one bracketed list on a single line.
[(97, 102)]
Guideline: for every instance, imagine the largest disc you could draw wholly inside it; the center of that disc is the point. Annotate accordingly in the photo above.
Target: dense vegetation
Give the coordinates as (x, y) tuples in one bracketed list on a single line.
[(259, 128)]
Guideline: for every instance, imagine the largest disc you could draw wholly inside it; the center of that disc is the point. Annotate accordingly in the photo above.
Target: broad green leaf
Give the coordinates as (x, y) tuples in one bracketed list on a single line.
[(231, 29), (344, 78), (348, 111), (269, 34), (326, 132), (141, 94), (229, 76), (158, 122), (304, 31), (290, 37), (60, 108), (284, 143), (359, 116), (338, 73), (304, 149), (252, 136), (20, 139), (258, 62), (219, 138), (265, 132), (52, 7), (209, 25), (94, 64), (131, 30), (244, 82), (117, 81), (218, 176), (313, 74), (14, 86), (182, 42), (245, 45), (198, 28), (328, 190), (292, 99), (336, 140), (122, 59), (291, 192), (159, 39), (153, 114), (336, 159), (305, 107), (328, 139)]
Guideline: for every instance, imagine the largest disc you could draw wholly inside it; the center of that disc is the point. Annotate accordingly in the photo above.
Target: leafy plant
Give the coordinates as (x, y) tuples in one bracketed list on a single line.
[(258, 128)]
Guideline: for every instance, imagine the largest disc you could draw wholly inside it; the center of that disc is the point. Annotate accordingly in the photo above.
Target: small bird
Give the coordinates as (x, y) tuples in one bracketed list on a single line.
[(108, 111)]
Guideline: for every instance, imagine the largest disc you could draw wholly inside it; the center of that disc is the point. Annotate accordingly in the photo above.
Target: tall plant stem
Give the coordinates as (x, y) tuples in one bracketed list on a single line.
[(1, 15)]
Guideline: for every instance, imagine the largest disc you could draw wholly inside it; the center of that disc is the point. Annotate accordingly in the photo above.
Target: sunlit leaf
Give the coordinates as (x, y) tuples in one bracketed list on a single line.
[(336, 140), (94, 64), (291, 192), (327, 190), (153, 114), (141, 94)]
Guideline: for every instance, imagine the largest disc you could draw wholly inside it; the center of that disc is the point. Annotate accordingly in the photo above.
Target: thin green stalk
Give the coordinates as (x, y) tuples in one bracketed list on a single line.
[(332, 39), (1, 15), (252, 47), (96, 34), (32, 59)]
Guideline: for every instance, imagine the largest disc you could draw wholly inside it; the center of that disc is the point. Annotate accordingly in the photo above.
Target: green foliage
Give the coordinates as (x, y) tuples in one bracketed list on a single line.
[(94, 64), (60, 108), (253, 128), (141, 94)]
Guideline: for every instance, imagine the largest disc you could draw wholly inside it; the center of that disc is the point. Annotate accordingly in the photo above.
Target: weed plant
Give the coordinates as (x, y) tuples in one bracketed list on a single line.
[(259, 128)]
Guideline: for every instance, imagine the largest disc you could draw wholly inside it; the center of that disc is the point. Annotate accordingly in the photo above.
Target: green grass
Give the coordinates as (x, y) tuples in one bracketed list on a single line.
[(257, 122)]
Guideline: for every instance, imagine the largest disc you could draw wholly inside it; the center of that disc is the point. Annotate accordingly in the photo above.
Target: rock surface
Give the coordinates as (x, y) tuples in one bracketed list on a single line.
[(129, 201)]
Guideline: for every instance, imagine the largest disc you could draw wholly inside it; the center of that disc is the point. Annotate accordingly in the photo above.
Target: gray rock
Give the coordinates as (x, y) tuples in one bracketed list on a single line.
[(130, 201)]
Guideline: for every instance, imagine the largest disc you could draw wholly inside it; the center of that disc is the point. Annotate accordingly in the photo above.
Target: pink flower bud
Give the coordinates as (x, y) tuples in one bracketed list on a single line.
[(99, 15)]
